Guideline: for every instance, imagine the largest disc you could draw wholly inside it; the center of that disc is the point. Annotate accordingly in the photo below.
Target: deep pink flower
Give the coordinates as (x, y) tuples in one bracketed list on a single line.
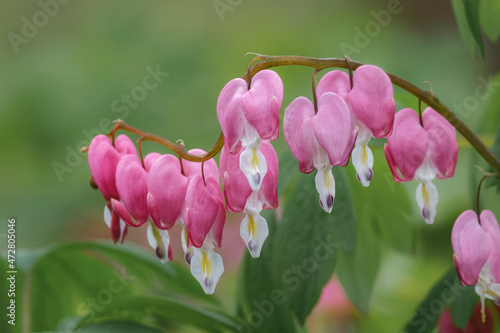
[(320, 141), (476, 248), (103, 159), (248, 116), (422, 152), (240, 197), (372, 105)]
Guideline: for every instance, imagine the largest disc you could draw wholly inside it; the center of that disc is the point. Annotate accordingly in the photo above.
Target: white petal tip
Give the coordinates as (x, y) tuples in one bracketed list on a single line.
[(254, 232)]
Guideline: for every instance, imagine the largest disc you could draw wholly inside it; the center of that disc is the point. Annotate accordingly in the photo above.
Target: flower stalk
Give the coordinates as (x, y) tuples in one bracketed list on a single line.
[(265, 62)]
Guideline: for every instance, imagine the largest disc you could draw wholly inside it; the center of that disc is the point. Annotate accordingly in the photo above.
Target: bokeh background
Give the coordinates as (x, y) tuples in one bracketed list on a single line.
[(64, 83)]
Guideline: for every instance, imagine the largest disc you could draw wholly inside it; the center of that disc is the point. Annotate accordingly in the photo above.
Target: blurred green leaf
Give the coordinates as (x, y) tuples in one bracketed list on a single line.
[(444, 293), (489, 15), (307, 241), (463, 306), (357, 271), (261, 298), (166, 309), (289, 171), (467, 17), (83, 278), (386, 206)]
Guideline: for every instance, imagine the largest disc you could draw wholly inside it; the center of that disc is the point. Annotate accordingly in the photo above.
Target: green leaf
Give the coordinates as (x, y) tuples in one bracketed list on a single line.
[(289, 171), (386, 206), (307, 242), (463, 306), (260, 298), (357, 272), (83, 278), (489, 12), (467, 17), (167, 310), (445, 292)]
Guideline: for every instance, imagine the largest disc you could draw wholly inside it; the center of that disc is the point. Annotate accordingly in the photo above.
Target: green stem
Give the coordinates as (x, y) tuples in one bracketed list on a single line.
[(425, 96)]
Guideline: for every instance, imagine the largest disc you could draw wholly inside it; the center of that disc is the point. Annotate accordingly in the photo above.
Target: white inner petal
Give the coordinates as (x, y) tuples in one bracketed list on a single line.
[(207, 268), (325, 185), (362, 159), (427, 199), (159, 240), (253, 164), (107, 216), (254, 232)]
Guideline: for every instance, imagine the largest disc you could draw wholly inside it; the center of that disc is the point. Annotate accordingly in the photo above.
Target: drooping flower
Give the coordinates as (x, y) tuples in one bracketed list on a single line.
[(103, 159), (240, 197), (167, 188), (320, 140), (132, 184), (204, 216), (422, 152), (372, 105), (476, 247), (248, 116)]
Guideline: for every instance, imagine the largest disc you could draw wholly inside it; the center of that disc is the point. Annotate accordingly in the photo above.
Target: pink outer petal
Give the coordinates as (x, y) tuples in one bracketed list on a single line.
[(167, 190), (103, 159), (132, 186), (443, 144), (150, 159), (268, 193), (215, 191), (124, 145), (200, 211), (372, 100), (332, 127), (235, 184), (336, 82), (490, 226), (123, 213), (298, 130), (407, 147), (261, 104), (192, 169), (471, 247), (230, 114)]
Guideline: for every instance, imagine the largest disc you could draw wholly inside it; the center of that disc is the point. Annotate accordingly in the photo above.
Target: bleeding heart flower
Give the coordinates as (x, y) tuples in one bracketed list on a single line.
[(248, 116), (166, 191), (372, 105), (204, 217), (240, 197), (320, 141), (422, 152), (476, 247), (103, 159)]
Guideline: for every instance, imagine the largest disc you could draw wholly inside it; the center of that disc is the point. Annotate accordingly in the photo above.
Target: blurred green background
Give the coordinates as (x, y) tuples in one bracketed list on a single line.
[(63, 84)]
